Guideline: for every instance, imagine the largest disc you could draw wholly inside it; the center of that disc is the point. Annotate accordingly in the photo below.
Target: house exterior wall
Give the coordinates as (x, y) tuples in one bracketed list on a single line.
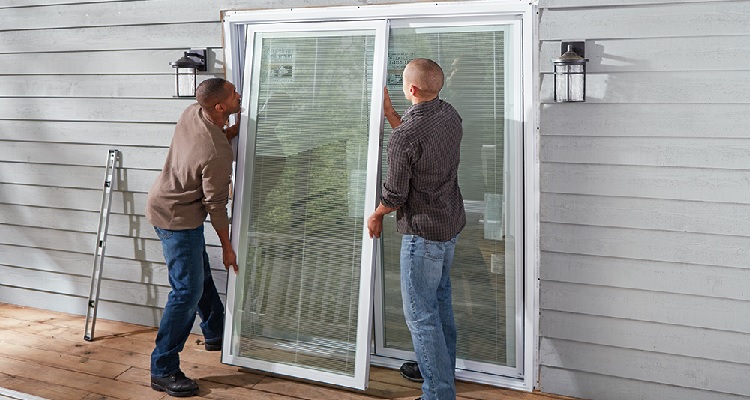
[(645, 202), (78, 78)]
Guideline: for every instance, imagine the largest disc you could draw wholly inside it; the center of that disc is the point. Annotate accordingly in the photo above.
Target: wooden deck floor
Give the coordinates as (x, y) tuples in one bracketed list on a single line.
[(43, 353)]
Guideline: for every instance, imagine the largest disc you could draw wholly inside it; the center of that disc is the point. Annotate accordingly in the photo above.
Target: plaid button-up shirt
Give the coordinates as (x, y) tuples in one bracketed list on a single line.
[(422, 179)]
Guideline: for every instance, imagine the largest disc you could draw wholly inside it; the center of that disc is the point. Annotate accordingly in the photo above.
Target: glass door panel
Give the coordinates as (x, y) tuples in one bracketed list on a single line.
[(479, 64), (301, 303)]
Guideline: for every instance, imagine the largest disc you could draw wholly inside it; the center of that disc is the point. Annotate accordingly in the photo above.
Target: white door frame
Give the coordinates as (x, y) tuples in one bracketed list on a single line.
[(234, 25)]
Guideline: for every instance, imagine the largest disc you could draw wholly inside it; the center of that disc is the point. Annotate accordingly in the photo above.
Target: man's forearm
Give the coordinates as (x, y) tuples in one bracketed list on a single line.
[(393, 118), (223, 234), (382, 210)]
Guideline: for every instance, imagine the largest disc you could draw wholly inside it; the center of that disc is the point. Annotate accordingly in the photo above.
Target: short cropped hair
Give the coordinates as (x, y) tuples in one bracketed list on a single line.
[(424, 74), (211, 92)]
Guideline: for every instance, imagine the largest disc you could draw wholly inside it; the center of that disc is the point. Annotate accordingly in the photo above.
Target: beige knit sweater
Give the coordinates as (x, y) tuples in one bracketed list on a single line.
[(194, 181)]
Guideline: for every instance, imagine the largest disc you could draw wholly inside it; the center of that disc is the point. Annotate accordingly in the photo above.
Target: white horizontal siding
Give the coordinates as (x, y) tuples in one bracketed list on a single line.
[(112, 62), (662, 20), (89, 133), (92, 109), (648, 151), (645, 202), (80, 78), (715, 376), (552, 4), (171, 36), (705, 280), (691, 248), (670, 120), (128, 203), (701, 53), (648, 306), (661, 87), (75, 176), (675, 183), (645, 336), (597, 386), (91, 155)]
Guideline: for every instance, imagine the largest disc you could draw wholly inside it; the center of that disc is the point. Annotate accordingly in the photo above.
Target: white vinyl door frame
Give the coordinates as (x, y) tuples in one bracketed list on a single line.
[(235, 24), (248, 113)]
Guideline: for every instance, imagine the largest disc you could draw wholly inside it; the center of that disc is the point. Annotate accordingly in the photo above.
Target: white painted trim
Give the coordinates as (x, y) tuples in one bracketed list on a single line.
[(532, 194)]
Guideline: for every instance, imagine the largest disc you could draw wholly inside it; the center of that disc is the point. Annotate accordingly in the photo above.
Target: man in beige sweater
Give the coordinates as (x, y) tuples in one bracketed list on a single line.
[(193, 184)]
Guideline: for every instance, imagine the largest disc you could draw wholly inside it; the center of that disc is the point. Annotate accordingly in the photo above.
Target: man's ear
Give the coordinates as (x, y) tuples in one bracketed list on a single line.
[(413, 90), (220, 107)]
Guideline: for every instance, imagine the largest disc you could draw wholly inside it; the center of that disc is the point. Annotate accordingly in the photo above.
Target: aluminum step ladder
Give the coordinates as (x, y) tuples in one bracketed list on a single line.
[(113, 157)]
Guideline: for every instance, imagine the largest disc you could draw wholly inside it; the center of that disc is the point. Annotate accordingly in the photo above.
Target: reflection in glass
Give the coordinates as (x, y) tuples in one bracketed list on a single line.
[(475, 66), (303, 200)]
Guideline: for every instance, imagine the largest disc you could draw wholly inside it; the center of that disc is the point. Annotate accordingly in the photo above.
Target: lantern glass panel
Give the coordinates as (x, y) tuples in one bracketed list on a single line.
[(570, 83), (186, 82)]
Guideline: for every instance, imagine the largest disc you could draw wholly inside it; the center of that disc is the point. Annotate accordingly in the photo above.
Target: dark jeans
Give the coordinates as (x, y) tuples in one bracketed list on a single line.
[(192, 289)]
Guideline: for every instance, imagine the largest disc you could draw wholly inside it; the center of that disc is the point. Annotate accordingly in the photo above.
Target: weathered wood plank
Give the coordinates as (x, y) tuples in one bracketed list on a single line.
[(690, 248), (668, 20), (646, 366), (627, 212), (77, 380), (21, 351), (724, 87), (596, 386), (653, 151), (104, 62), (166, 36), (657, 276), (647, 336), (669, 120), (105, 110), (111, 134), (34, 387), (695, 53), (76, 154), (127, 180), (697, 184), (678, 309)]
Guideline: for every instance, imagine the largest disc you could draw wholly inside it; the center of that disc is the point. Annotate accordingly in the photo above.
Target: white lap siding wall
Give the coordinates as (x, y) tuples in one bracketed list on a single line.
[(645, 202)]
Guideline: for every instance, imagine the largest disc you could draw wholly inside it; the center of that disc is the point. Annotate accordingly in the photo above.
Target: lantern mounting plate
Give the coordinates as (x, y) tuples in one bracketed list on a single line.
[(577, 47)]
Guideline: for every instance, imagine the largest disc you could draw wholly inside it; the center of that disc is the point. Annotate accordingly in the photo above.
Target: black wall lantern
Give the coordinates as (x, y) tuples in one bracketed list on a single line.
[(570, 73), (186, 72)]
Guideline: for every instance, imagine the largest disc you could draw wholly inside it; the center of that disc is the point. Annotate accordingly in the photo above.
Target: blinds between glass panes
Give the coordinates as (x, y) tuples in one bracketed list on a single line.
[(473, 61), (304, 199)]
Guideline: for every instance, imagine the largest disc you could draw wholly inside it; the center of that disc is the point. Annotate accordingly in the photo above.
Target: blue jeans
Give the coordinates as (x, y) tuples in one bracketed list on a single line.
[(192, 289), (428, 308)]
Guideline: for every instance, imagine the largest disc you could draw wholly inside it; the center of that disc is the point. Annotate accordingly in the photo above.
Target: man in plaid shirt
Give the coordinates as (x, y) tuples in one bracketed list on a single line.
[(422, 187)]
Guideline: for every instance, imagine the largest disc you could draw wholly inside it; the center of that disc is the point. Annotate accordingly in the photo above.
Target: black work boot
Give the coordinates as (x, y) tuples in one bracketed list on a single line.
[(177, 385), (213, 346), (410, 371)]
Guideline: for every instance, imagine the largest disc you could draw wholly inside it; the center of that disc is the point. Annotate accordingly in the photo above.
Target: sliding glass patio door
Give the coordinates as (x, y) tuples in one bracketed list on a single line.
[(481, 61), (307, 175), (315, 297)]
